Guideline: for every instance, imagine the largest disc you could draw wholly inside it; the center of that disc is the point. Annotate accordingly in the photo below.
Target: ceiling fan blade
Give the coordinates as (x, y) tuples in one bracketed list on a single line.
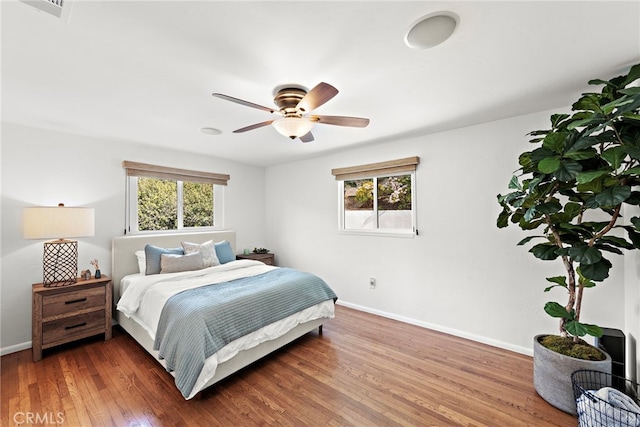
[(307, 137), (317, 96), (357, 122), (252, 127), (243, 102)]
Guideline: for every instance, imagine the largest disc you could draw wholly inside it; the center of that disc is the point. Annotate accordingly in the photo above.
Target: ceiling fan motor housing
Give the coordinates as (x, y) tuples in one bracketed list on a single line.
[(287, 100)]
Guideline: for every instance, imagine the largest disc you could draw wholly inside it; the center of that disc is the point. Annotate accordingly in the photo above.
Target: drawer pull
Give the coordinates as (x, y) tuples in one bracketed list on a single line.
[(73, 301), (75, 326)]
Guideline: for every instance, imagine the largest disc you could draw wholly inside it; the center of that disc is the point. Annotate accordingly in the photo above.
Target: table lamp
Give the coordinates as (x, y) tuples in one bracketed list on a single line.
[(60, 259)]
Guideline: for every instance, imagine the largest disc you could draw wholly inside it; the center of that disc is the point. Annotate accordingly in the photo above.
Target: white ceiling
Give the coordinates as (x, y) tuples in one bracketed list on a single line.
[(144, 71)]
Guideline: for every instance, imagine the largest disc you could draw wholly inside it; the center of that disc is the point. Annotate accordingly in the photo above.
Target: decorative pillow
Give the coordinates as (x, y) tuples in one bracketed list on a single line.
[(152, 255), (142, 262), (207, 249), (224, 252), (170, 263)]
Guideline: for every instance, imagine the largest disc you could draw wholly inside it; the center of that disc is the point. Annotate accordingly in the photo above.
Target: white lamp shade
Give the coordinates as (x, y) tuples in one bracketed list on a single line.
[(43, 222), (293, 127)]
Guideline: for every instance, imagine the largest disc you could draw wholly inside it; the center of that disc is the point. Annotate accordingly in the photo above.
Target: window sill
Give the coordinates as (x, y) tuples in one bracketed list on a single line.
[(380, 233)]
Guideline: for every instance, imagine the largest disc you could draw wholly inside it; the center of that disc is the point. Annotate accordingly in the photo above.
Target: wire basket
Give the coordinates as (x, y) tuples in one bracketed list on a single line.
[(594, 411)]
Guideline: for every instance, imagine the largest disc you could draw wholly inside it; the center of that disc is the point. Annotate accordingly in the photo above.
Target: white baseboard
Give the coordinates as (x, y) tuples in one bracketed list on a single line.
[(473, 337), (15, 348)]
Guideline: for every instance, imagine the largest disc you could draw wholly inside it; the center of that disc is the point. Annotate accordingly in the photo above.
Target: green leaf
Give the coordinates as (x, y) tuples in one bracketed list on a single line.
[(636, 222), (554, 309), (539, 154), (544, 251), (527, 240), (581, 154), (634, 74), (578, 329), (614, 156), (549, 208), (571, 210), (560, 280), (585, 177), (554, 141), (514, 184), (609, 107), (633, 152), (598, 82), (616, 241), (597, 271), (568, 170), (634, 236), (634, 198), (503, 219), (585, 255), (632, 171), (549, 164), (557, 118), (530, 214), (595, 187), (614, 195)]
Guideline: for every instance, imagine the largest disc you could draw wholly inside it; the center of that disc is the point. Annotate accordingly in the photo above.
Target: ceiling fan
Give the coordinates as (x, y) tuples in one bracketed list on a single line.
[(294, 105)]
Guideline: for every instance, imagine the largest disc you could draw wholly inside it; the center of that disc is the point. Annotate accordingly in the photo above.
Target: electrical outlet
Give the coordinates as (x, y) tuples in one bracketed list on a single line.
[(372, 282)]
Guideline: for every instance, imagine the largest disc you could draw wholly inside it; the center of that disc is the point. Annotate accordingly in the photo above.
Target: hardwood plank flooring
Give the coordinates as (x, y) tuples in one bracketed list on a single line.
[(364, 370)]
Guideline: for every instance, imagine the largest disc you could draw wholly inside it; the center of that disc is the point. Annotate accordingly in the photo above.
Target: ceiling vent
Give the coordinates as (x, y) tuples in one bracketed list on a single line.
[(57, 8)]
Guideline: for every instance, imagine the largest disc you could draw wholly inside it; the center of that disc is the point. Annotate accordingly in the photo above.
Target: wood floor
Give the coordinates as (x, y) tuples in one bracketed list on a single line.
[(363, 371)]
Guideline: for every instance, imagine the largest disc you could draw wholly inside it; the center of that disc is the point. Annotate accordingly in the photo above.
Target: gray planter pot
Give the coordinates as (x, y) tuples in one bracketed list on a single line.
[(552, 374)]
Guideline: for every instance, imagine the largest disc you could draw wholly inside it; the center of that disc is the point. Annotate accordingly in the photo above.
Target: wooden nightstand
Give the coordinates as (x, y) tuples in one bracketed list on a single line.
[(69, 313), (267, 258)]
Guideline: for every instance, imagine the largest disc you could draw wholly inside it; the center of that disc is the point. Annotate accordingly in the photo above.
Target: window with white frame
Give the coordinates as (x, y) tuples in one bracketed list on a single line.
[(378, 198), (164, 199)]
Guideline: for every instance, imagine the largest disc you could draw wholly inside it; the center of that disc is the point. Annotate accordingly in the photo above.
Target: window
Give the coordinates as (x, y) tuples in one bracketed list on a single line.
[(163, 199), (378, 198)]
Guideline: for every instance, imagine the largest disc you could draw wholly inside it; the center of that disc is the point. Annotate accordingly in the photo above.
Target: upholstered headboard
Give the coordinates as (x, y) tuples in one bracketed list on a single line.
[(123, 258)]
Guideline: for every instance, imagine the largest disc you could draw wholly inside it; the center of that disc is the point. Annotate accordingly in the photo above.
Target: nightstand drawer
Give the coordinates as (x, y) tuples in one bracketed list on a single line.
[(74, 327), (81, 299)]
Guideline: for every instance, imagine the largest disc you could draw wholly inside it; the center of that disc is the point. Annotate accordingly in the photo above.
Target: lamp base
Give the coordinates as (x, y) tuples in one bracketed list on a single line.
[(60, 263)]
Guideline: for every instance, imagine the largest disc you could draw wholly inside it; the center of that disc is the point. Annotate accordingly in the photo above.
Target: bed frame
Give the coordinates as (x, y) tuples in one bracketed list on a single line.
[(124, 262)]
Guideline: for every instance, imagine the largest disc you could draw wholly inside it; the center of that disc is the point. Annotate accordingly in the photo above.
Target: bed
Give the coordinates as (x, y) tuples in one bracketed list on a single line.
[(138, 318)]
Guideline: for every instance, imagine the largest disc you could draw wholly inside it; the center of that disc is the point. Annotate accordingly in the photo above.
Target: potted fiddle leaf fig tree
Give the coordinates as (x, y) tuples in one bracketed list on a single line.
[(569, 194)]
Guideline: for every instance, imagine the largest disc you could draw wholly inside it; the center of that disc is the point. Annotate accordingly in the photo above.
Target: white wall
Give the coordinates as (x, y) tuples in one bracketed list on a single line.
[(461, 274), (41, 167)]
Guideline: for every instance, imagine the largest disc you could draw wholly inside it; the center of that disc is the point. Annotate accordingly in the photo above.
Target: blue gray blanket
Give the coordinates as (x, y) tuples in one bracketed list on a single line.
[(196, 323)]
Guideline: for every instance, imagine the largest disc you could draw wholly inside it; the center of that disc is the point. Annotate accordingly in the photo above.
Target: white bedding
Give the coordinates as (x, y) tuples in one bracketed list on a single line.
[(143, 298)]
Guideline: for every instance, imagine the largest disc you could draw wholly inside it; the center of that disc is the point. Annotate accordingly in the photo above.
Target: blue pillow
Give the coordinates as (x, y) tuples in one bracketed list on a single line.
[(224, 252), (153, 255)]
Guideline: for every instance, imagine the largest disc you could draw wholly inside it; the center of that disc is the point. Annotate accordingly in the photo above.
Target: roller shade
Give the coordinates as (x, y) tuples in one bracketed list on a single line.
[(163, 172), (408, 164)]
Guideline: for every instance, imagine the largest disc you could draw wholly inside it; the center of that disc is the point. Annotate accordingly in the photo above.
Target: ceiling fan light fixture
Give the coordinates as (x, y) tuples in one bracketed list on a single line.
[(293, 127)]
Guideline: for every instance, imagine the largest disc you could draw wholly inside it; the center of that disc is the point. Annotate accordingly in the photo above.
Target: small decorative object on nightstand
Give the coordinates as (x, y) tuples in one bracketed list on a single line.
[(267, 258), (97, 267), (65, 314)]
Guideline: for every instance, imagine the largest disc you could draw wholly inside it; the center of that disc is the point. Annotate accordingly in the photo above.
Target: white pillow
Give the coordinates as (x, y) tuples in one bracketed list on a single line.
[(142, 262), (207, 249)]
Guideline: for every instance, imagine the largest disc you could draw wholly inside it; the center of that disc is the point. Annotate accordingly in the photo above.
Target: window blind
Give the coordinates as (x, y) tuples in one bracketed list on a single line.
[(407, 164), (163, 172)]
